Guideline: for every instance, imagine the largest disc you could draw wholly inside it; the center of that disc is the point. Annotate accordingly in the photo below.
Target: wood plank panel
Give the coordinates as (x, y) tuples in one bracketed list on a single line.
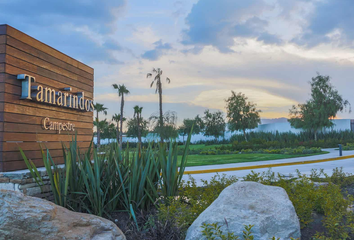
[(26, 119), (30, 128), (15, 156), (1, 158), (12, 79), (3, 39), (44, 56), (47, 49), (26, 110), (30, 137), (41, 71), (44, 64), (3, 28), (13, 71), (15, 99), (2, 58), (16, 165), (2, 67), (20, 120), (14, 146)]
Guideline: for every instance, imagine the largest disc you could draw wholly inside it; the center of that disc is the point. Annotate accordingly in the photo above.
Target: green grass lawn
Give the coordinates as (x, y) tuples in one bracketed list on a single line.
[(201, 160), (203, 147)]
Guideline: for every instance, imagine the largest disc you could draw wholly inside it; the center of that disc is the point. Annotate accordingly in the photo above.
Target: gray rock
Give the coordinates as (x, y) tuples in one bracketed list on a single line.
[(24, 217), (268, 208)]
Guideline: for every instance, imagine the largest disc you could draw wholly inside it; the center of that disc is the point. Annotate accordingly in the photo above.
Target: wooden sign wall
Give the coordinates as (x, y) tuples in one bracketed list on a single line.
[(27, 123)]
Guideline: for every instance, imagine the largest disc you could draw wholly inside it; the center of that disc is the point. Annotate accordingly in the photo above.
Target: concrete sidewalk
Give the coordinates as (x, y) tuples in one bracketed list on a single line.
[(346, 164), (332, 154)]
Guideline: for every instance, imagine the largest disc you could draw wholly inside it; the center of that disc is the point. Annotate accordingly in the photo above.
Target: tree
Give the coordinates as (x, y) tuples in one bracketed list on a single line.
[(102, 126), (169, 129), (187, 125), (132, 125), (116, 119), (137, 116), (324, 104), (99, 108), (158, 84), (121, 91), (241, 114), (214, 124), (108, 130)]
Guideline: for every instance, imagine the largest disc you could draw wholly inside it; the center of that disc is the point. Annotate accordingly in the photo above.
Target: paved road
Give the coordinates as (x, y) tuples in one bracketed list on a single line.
[(347, 164)]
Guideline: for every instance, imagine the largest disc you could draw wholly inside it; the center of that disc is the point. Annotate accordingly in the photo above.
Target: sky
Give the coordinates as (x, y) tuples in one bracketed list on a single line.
[(266, 49)]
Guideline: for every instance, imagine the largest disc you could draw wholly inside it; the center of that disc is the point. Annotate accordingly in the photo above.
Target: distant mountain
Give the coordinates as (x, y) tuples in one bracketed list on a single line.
[(273, 120)]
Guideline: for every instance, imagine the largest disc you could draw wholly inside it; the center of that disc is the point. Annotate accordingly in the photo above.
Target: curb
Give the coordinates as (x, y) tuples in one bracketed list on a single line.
[(265, 165)]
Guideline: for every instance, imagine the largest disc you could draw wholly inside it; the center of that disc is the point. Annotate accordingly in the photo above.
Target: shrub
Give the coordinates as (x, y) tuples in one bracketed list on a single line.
[(349, 146), (308, 198), (193, 200), (288, 151), (212, 231)]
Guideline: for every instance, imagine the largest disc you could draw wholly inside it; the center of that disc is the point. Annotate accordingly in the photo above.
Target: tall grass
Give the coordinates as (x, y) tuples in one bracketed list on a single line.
[(128, 180)]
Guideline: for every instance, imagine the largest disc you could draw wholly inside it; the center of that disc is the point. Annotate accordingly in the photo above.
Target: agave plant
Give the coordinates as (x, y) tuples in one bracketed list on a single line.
[(128, 180)]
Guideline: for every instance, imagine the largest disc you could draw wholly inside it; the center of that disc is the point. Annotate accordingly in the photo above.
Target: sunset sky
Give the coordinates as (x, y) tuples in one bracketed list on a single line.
[(267, 49)]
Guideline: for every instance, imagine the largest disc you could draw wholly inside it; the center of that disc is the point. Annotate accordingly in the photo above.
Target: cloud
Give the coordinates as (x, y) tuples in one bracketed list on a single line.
[(332, 21), (217, 23), (84, 25), (265, 101), (160, 48)]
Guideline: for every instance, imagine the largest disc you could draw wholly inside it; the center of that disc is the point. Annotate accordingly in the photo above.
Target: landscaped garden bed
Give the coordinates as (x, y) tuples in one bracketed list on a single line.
[(143, 193), (323, 209)]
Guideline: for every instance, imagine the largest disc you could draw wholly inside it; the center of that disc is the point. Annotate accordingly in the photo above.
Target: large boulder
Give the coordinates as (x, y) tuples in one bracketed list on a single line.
[(268, 208), (24, 217)]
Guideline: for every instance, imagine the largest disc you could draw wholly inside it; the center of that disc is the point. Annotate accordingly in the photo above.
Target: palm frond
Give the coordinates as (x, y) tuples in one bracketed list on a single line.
[(152, 83)]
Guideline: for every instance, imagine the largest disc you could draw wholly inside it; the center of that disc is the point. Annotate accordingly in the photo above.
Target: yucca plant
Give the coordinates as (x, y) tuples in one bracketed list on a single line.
[(97, 181), (171, 171), (129, 180), (59, 177), (76, 182)]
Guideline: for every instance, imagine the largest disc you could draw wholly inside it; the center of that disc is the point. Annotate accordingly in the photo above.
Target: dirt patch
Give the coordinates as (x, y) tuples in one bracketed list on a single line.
[(315, 226), (150, 228)]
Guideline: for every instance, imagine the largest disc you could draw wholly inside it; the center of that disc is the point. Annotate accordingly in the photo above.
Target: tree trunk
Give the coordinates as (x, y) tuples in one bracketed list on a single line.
[(244, 134), (117, 135), (98, 132), (121, 123), (316, 135), (161, 114), (139, 130)]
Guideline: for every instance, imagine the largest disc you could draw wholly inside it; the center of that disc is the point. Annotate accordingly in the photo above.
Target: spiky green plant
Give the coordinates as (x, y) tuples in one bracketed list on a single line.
[(128, 180)]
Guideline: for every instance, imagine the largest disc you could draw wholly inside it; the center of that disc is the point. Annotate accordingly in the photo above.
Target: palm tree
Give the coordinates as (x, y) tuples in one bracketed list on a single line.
[(137, 114), (157, 80), (99, 108), (116, 119), (121, 91)]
